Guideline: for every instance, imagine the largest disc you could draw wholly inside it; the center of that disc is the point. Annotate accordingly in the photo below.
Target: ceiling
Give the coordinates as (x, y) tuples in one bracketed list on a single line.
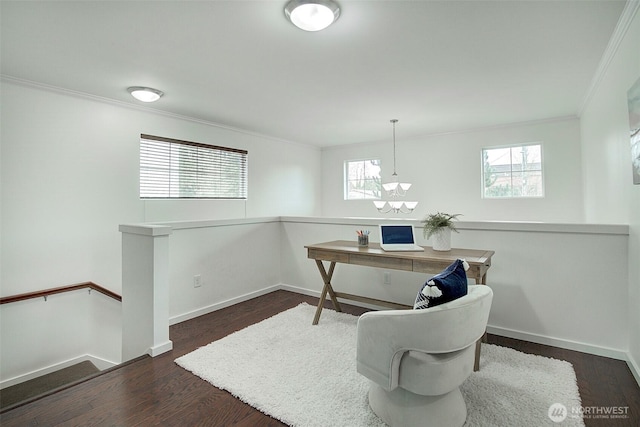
[(437, 66)]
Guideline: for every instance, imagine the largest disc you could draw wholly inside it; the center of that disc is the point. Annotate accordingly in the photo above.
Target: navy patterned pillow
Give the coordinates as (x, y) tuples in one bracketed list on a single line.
[(446, 286)]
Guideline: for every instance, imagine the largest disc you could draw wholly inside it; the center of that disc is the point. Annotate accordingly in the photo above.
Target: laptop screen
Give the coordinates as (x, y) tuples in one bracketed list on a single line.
[(397, 234)]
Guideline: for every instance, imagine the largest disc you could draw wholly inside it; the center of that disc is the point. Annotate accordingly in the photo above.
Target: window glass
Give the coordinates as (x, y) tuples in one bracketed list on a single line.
[(512, 171), (362, 179)]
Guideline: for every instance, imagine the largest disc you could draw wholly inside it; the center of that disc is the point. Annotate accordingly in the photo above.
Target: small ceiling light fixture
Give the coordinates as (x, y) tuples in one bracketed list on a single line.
[(312, 15), (395, 189), (145, 94)]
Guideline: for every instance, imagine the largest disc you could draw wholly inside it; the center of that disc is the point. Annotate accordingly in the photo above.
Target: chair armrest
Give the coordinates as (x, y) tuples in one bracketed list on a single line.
[(384, 336)]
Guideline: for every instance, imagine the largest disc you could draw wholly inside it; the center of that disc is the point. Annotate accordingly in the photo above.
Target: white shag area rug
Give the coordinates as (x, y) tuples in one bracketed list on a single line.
[(305, 375)]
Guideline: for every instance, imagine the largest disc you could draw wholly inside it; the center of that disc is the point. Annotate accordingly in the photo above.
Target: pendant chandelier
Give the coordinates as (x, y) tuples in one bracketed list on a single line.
[(394, 189)]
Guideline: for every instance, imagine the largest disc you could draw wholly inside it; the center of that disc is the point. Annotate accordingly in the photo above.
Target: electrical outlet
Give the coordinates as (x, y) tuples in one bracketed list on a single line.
[(387, 278), (197, 281)]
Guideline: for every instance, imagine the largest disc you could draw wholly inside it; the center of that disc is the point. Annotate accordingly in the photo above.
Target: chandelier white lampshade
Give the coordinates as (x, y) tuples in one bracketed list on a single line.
[(395, 189), (395, 206), (312, 15), (145, 94)]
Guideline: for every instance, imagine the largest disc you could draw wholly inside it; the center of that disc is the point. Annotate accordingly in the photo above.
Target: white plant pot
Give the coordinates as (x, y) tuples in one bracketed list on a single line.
[(442, 240)]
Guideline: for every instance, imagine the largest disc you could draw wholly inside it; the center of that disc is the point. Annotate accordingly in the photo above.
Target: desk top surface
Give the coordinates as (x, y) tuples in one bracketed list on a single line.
[(472, 256)]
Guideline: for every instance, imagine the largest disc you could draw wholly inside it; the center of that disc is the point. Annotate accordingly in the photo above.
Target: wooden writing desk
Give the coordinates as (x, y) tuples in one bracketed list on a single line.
[(429, 261)]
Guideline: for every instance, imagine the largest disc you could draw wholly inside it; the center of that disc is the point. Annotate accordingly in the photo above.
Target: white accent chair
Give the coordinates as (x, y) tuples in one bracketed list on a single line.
[(417, 359)]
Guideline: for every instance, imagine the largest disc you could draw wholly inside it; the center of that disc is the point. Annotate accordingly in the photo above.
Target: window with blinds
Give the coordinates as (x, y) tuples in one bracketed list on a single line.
[(174, 169)]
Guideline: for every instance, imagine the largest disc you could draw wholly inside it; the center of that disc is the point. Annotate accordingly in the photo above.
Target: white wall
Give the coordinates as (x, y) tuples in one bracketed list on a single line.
[(548, 287), (234, 260), (69, 173), (549, 281), (445, 171), (610, 195), (70, 176), (41, 336)]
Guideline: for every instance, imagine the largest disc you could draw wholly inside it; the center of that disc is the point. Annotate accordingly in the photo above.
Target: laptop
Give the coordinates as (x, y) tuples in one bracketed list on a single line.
[(398, 237)]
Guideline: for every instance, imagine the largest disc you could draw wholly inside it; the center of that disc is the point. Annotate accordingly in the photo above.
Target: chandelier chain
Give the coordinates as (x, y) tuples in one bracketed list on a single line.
[(394, 121)]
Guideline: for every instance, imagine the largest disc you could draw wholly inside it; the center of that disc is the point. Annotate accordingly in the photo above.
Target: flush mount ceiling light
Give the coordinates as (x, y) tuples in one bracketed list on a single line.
[(145, 94), (312, 15)]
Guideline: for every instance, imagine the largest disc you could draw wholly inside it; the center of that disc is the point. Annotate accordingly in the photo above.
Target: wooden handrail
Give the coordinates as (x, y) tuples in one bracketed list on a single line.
[(61, 289)]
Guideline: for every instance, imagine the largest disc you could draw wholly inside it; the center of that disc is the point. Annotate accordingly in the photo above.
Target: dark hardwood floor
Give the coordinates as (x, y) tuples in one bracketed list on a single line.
[(155, 391)]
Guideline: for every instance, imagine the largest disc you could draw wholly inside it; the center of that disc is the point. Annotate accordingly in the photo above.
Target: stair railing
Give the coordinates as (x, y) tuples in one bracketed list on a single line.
[(69, 288)]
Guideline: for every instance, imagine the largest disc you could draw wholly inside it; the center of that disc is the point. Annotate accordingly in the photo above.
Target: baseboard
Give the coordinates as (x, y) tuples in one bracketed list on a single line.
[(634, 367), (100, 363), (524, 336), (316, 294), (298, 290), (561, 343), (241, 298), (223, 304), (160, 348)]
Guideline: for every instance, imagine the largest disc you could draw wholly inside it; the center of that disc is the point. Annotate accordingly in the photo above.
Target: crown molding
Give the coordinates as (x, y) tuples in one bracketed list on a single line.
[(105, 100), (628, 13), (477, 129)]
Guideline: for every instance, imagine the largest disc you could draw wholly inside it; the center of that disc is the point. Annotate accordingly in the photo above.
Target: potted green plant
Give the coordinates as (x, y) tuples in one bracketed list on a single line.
[(440, 225)]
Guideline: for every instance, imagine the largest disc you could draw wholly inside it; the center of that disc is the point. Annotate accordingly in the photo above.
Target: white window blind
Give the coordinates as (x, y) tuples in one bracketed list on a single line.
[(170, 168)]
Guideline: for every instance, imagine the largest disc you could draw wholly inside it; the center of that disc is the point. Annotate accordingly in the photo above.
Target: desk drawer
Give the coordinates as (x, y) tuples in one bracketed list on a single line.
[(381, 262), (327, 255), (431, 267)]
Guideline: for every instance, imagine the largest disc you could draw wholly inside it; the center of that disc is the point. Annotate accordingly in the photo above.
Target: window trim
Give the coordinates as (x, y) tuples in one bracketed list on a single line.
[(244, 171)]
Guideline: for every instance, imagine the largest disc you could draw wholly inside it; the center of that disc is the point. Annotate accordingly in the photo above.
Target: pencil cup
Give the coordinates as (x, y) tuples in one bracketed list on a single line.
[(363, 240)]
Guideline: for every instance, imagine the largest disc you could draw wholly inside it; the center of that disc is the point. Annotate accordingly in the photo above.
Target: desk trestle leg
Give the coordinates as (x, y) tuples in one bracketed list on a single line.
[(327, 288)]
